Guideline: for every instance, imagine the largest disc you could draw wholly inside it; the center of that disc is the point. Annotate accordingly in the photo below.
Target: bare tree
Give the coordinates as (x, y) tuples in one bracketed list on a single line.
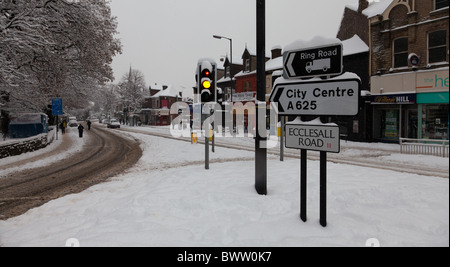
[(132, 89)]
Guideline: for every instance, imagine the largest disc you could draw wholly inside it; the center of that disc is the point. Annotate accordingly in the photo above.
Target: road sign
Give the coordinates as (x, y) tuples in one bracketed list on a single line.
[(324, 137), (57, 107), (313, 62), (338, 97)]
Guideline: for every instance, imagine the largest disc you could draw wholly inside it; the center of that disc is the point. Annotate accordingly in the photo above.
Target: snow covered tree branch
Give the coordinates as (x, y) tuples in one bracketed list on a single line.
[(55, 48), (132, 89)]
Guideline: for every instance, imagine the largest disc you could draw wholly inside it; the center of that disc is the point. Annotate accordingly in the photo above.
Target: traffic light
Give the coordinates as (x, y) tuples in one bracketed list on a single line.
[(207, 81)]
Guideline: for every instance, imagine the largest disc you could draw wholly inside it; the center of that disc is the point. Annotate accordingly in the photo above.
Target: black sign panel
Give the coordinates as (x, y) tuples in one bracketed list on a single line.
[(313, 62)]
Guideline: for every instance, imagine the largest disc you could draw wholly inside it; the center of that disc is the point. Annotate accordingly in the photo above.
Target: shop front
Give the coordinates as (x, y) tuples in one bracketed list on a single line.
[(411, 105), (160, 117), (394, 116), (433, 102), (434, 110)]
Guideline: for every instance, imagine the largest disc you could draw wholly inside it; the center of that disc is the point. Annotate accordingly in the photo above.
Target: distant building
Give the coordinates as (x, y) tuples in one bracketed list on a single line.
[(157, 112), (226, 81)]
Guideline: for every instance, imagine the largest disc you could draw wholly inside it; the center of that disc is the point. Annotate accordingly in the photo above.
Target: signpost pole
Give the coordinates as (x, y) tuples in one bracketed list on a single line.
[(213, 131), (323, 189), (206, 150), (283, 122), (303, 168), (57, 127), (260, 146)]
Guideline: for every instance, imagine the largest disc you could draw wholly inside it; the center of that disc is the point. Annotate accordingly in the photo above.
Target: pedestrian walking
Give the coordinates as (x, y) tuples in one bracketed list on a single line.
[(63, 129), (80, 130), (89, 124)]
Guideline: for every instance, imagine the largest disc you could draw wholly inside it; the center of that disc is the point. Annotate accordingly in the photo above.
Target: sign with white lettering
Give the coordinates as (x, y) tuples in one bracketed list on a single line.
[(323, 138), (312, 62), (57, 107), (319, 98), (394, 99)]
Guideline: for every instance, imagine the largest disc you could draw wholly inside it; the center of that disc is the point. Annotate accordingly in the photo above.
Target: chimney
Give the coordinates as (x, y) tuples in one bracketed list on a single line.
[(276, 52), (363, 4)]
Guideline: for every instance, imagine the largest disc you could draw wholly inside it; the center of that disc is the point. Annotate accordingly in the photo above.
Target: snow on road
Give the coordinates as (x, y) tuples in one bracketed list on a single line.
[(56, 151), (169, 199)]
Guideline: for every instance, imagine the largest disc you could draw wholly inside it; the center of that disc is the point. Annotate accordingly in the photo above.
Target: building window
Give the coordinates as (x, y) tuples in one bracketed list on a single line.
[(438, 4), (401, 52), (435, 121), (247, 65), (228, 75), (247, 87), (437, 46)]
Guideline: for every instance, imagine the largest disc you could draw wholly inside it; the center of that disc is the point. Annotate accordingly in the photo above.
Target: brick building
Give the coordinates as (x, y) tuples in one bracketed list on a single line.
[(409, 69), (354, 22), (354, 34), (230, 70), (156, 108)]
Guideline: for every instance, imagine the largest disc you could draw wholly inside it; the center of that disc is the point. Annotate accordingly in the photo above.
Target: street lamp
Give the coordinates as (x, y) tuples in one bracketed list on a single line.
[(231, 61)]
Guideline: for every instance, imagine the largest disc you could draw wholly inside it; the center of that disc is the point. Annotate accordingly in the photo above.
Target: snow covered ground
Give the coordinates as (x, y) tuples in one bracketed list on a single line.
[(54, 152), (169, 199)]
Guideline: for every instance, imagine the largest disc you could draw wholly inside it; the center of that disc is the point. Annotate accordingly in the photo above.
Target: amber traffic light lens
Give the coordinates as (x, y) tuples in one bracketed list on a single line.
[(206, 84)]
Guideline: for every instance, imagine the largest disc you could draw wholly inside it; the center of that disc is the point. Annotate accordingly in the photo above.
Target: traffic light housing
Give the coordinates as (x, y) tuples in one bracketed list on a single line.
[(207, 81)]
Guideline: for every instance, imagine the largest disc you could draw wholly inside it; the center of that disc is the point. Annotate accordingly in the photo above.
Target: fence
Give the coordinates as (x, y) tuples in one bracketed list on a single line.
[(424, 147)]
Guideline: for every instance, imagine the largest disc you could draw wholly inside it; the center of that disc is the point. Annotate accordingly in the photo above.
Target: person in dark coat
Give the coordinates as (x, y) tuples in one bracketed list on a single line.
[(80, 130), (63, 129), (89, 124)]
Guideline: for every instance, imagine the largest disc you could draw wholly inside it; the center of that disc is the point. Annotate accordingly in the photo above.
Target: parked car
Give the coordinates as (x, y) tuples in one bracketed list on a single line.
[(113, 124), (73, 123)]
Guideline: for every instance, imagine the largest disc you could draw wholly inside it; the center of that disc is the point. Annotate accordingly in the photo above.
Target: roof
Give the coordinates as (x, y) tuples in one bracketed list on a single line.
[(274, 64), (377, 8), (157, 86), (169, 92), (354, 45)]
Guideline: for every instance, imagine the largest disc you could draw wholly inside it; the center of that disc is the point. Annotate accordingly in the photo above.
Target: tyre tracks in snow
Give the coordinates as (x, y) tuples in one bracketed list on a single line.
[(105, 155)]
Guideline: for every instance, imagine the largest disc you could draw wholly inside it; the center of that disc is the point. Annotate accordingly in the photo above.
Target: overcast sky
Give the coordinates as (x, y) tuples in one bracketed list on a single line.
[(165, 38)]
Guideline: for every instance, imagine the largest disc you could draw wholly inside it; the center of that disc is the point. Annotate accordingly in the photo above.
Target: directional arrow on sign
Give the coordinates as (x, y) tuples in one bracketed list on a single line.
[(312, 62), (338, 97)]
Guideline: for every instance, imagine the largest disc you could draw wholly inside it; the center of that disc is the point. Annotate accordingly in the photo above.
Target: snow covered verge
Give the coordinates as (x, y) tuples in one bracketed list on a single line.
[(56, 151), (169, 199)]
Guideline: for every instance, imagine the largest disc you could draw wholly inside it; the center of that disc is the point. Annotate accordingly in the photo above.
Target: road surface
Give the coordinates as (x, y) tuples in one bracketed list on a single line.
[(104, 156)]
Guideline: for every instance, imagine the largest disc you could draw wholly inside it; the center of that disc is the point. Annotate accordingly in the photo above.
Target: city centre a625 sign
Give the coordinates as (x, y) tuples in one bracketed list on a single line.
[(318, 98), (313, 62)]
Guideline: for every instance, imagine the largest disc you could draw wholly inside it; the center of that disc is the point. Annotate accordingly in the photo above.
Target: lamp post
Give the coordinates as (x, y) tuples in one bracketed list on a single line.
[(231, 61)]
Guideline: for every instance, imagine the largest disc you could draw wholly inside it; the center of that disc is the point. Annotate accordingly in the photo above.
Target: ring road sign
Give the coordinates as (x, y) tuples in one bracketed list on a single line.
[(324, 138), (313, 62), (319, 98)]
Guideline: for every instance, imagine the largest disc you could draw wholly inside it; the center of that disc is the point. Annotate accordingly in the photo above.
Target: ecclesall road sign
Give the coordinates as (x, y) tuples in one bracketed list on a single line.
[(313, 62), (323, 137), (319, 98)]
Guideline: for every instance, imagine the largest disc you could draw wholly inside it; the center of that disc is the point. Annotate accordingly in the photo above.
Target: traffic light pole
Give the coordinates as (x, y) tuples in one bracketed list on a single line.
[(260, 145)]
